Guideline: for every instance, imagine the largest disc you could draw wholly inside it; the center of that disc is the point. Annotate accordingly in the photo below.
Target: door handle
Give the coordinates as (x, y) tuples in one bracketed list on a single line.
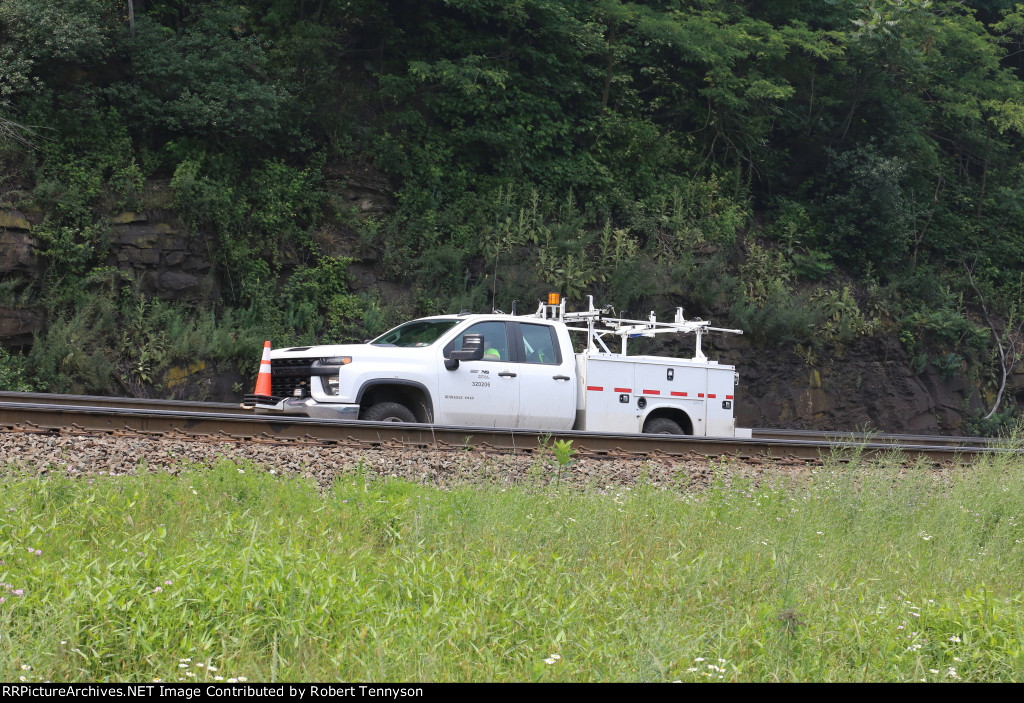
[(507, 373), (561, 378)]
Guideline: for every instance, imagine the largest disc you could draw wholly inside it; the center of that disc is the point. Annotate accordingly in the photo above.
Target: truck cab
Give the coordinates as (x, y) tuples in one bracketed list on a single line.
[(523, 377)]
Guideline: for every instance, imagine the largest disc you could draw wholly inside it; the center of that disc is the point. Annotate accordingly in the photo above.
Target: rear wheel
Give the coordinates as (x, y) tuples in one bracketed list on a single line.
[(389, 412), (662, 425)]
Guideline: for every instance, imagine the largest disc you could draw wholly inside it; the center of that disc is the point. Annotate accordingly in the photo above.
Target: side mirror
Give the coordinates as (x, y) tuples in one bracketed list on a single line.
[(472, 350)]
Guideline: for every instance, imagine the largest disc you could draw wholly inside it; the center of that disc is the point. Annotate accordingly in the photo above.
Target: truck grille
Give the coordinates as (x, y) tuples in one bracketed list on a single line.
[(289, 375)]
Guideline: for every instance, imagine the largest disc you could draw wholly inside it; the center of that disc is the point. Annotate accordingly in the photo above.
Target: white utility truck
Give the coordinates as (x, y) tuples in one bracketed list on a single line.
[(509, 371)]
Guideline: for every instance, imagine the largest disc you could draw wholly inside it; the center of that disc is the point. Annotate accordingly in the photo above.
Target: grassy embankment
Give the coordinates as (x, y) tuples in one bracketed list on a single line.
[(851, 573)]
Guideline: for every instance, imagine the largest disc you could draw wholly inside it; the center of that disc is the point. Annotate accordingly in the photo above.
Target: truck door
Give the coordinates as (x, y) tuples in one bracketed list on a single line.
[(481, 393), (547, 389)]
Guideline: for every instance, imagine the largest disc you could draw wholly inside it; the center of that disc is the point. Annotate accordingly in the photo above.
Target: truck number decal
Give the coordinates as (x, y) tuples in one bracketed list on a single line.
[(485, 384)]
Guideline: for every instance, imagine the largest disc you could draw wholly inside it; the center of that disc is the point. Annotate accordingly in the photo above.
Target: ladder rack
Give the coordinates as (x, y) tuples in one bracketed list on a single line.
[(625, 329)]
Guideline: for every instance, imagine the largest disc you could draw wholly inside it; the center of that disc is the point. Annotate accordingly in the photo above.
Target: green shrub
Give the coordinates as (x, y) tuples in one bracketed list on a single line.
[(13, 374), (1001, 424), (765, 273), (782, 319)]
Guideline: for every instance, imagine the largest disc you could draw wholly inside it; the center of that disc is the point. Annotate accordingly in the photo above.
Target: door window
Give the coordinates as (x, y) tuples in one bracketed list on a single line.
[(496, 346), (539, 344)]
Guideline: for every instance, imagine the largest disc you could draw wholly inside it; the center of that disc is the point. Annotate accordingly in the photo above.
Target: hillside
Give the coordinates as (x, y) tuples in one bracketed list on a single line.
[(180, 181)]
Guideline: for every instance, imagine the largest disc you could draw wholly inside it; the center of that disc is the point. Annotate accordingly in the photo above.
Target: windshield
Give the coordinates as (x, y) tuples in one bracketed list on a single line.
[(418, 333)]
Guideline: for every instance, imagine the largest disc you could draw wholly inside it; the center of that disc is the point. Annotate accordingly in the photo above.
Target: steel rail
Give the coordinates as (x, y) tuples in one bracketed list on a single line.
[(158, 417), (902, 439), (832, 437), (101, 401)]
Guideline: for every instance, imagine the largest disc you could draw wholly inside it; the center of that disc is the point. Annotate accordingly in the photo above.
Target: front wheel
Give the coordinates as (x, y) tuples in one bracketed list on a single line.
[(389, 412), (662, 425)]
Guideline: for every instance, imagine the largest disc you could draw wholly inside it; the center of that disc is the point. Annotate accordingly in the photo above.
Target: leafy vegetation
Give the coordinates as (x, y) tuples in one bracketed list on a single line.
[(859, 571), (815, 172)]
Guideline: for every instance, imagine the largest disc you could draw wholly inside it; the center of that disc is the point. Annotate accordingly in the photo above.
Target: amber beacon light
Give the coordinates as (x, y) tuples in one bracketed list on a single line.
[(554, 298)]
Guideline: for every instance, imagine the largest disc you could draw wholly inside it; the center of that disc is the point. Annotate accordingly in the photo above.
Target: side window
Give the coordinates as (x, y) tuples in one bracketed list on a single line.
[(539, 344), (496, 346)]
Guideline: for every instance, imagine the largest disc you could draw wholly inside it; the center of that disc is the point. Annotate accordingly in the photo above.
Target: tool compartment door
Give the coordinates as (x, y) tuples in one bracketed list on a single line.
[(721, 387), (609, 403)]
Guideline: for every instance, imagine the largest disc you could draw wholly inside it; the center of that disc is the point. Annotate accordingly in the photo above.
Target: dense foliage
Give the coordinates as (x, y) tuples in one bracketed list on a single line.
[(813, 170)]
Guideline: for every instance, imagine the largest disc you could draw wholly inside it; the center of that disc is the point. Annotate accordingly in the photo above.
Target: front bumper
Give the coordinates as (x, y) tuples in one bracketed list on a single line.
[(306, 407)]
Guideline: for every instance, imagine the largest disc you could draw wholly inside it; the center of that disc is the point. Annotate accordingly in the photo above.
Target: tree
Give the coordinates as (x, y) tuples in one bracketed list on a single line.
[(1008, 337), (205, 79)]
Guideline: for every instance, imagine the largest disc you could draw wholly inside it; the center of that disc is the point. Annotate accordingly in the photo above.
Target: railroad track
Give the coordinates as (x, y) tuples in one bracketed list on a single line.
[(905, 440), (50, 412)]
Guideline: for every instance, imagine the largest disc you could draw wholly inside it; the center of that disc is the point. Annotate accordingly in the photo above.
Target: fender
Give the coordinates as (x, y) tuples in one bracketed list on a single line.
[(372, 383), (673, 413)]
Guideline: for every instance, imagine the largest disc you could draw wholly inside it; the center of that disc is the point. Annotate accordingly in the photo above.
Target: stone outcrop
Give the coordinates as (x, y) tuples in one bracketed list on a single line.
[(17, 247), (870, 387), (153, 247), (356, 192), (17, 252), (19, 268), (167, 261), (18, 324)]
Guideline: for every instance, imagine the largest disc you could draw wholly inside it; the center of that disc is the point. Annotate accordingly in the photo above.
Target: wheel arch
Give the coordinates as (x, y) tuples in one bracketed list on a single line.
[(411, 394), (677, 415)]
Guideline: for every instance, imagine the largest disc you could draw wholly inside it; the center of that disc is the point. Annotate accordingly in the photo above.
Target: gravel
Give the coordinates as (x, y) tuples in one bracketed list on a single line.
[(75, 454)]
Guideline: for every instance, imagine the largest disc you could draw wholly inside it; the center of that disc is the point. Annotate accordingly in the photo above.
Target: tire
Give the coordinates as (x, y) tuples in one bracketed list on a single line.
[(389, 412), (662, 425)]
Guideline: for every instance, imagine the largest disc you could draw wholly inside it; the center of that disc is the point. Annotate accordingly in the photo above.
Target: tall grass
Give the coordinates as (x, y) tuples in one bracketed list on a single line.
[(859, 571)]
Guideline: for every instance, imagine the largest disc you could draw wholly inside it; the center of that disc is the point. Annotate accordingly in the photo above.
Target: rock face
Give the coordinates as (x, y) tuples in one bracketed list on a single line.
[(18, 324), (356, 191), (19, 268), (870, 387), (152, 246), (17, 251), (155, 248)]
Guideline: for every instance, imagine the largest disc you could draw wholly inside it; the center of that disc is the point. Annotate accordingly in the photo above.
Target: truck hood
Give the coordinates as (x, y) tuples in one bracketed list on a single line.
[(356, 351)]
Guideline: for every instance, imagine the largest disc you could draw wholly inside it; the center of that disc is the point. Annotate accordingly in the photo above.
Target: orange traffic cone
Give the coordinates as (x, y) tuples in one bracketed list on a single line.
[(263, 379)]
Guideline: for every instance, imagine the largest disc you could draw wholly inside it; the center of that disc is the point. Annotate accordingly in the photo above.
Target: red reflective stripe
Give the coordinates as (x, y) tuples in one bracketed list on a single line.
[(595, 388), (679, 393), (700, 395), (623, 390), (711, 395), (728, 397), (647, 392)]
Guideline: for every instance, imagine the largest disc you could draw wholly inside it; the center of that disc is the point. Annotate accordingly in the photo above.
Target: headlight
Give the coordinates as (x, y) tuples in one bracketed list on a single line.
[(336, 360)]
